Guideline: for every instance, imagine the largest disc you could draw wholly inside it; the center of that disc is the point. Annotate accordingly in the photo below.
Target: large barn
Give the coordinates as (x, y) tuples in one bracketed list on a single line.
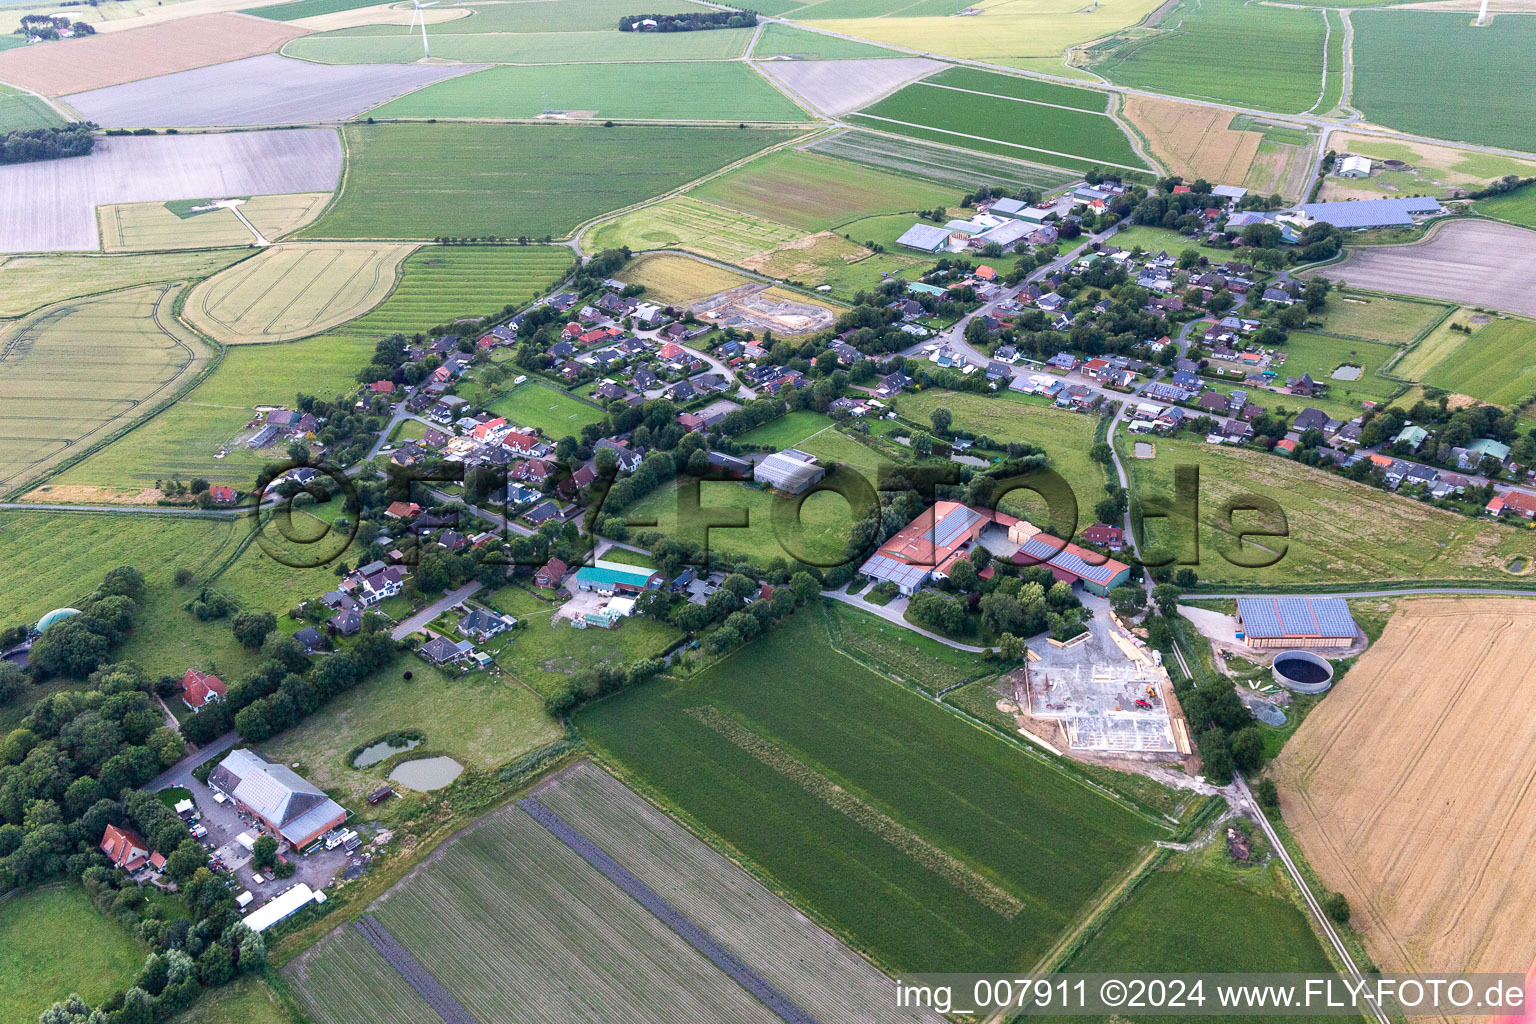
[(286, 803), (1295, 622)]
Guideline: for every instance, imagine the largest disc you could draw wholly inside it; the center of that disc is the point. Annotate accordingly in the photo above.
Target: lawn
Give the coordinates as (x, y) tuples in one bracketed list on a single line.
[(245, 1000), (482, 720), (390, 44), (682, 280), (1339, 532), (547, 653), (441, 284), (1001, 123), (1264, 57), (683, 222), (683, 90), (839, 785), (816, 192), (432, 180), (1377, 318), (182, 440), (1517, 207), (546, 409), (1320, 355), (1435, 74), (943, 165), (788, 430), (898, 652), (29, 282), (1496, 364), (23, 110), (53, 941), (1155, 240)]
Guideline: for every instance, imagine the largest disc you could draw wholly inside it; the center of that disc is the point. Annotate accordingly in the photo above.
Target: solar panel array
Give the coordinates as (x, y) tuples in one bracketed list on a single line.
[(1295, 616), (1053, 553), (903, 575), (953, 526)]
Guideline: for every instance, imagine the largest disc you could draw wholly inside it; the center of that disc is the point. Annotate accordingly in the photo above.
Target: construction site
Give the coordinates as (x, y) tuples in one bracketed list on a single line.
[(1103, 692), (759, 307)]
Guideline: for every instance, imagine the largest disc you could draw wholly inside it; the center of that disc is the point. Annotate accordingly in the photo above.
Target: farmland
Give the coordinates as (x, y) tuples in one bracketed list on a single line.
[(481, 720), (293, 291), (1496, 363), (1192, 53), (1027, 89), (836, 87), (1194, 141), (941, 164), (1471, 91), (737, 751), (780, 40), (23, 110), (1378, 318), (546, 409), (30, 282), (898, 652), (54, 942), (815, 192), (442, 284), (1320, 355), (545, 654), (679, 280), (267, 89), (1518, 207), (1339, 531), (410, 181), (683, 222), (97, 61), (788, 430), (82, 369), (994, 117), (379, 44), (138, 170), (690, 91), (133, 227), (296, 9), (1406, 813)]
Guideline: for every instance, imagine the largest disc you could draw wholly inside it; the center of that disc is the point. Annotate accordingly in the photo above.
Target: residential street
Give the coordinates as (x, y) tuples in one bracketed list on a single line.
[(432, 611)]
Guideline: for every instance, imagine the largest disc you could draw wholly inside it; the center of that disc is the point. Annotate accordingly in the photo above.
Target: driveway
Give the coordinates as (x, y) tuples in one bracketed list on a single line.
[(894, 612), (432, 611)]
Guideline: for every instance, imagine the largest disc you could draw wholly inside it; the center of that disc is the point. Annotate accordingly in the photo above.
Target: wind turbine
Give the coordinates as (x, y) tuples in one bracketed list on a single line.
[(418, 13)]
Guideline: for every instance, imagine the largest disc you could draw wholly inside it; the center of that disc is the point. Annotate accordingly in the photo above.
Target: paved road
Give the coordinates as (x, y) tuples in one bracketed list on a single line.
[(893, 613), (180, 773), (432, 611)]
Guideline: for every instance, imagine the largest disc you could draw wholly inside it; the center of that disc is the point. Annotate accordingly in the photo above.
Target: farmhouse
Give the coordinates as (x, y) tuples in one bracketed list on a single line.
[(607, 577), (199, 689), (126, 850), (287, 804), (1295, 622), (1354, 167), (790, 471), (550, 574)]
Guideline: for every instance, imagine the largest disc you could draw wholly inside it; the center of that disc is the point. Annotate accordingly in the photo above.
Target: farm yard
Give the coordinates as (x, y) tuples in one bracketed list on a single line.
[(836, 87), (1448, 96), (81, 370), (1339, 531), (191, 224), (763, 746), (266, 89), (53, 941), (136, 170), (294, 290), (685, 90), (97, 61), (1406, 813), (942, 164), (408, 181), (546, 408), (1471, 262), (30, 282)]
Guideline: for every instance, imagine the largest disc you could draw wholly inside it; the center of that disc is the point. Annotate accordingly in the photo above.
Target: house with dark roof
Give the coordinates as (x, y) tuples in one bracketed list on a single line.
[(483, 624), (346, 623)]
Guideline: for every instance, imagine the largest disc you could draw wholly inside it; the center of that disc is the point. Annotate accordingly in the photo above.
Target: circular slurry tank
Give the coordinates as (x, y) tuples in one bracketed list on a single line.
[(1303, 672)]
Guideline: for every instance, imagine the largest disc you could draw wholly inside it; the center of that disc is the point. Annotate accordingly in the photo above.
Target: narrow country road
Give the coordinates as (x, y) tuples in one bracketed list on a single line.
[(180, 773), (413, 623), (894, 616)]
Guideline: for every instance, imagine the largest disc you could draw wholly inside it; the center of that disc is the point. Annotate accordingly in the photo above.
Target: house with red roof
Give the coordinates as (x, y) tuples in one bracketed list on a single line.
[(519, 441), (198, 689), (382, 387), (1519, 502), (222, 494), (488, 428), (403, 510), (127, 850), (550, 574)]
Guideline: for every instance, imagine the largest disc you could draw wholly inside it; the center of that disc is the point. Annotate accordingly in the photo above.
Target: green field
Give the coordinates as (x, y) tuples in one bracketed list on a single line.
[(182, 440), (1264, 57), (788, 430), (389, 44), (1155, 240), (1339, 532), (1333, 78), (780, 40), (547, 409), (23, 110), (547, 653), (305, 9), (996, 120), (815, 192), (1321, 355), (482, 720), (1518, 207), (1435, 74), (682, 222), (1496, 364), (440, 284), (1377, 318), (1036, 91), (246, 1000), (898, 652), (53, 941), (938, 164), (753, 750), (689, 91), (29, 282), (430, 180)]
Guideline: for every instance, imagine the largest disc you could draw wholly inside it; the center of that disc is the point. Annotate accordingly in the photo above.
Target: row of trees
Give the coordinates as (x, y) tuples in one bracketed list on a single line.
[(691, 21)]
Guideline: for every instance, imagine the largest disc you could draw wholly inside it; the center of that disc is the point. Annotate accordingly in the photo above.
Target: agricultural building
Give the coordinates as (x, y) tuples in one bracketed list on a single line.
[(1369, 213), (616, 578), (282, 906), (790, 471), (1354, 167), (1295, 622), (286, 803), (924, 238)]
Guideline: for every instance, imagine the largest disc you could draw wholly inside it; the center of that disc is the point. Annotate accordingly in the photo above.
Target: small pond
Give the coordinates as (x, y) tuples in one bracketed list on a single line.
[(372, 755), (426, 773)]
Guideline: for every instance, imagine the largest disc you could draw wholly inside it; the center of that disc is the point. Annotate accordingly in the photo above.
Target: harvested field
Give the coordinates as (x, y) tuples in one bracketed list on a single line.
[(1478, 263), (683, 222), (268, 89), (671, 278), (77, 371), (95, 62), (132, 227), (1409, 787), (31, 282), (295, 290), (137, 170), (1194, 141), (838, 86), (958, 168)]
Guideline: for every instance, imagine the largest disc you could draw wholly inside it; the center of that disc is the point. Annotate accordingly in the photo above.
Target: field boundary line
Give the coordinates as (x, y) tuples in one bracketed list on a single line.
[(1011, 99), (1000, 142)]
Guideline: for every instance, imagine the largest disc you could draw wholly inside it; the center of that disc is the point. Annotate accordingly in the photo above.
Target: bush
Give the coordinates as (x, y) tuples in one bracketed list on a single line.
[(1336, 906)]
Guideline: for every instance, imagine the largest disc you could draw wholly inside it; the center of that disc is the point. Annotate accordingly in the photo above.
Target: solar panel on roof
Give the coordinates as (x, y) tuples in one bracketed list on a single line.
[(899, 573), (1053, 553), (1295, 616), (947, 530)]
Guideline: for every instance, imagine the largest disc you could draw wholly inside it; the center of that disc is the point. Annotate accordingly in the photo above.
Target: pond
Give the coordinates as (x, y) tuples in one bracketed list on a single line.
[(426, 773), (372, 755)]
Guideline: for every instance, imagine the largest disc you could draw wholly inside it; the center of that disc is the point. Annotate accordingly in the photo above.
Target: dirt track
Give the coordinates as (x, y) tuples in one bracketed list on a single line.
[(1411, 787)]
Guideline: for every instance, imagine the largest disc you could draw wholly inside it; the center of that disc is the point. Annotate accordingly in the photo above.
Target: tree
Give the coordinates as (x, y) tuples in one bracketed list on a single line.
[(1247, 748), (963, 576), (1010, 647), (1166, 596), (922, 443), (1217, 756), (1336, 905), (251, 628), (941, 418), (1127, 600), (264, 853), (1267, 794)]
